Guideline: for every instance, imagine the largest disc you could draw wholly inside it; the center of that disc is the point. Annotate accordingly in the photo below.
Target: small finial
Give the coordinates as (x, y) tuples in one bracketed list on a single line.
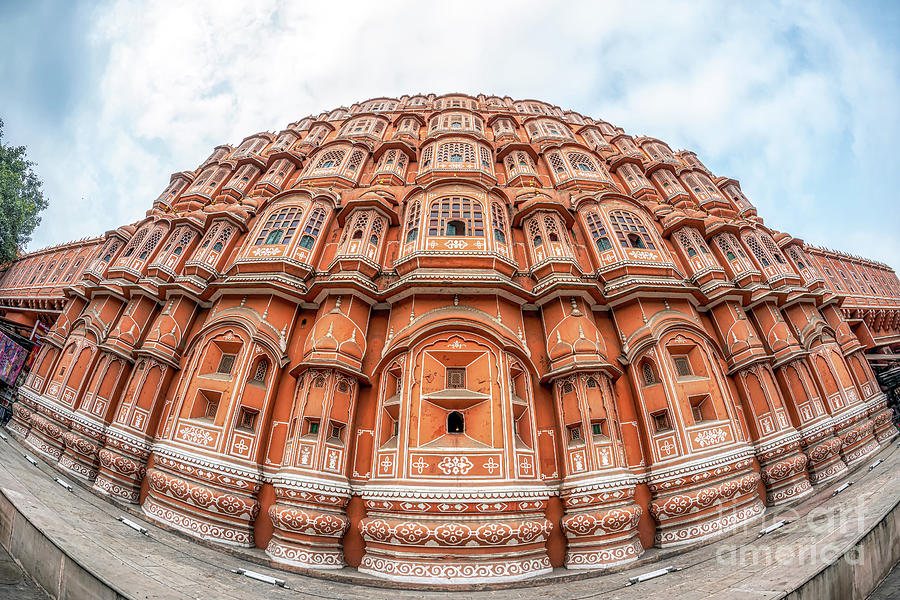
[(455, 299), (575, 312)]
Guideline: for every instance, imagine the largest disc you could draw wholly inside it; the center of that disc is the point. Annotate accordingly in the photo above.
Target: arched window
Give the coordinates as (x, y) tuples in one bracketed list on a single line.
[(427, 155), (729, 246), (375, 233), (393, 161), (518, 163), (757, 249), (546, 128), (699, 242), (630, 230), (647, 374), (133, 244), (598, 232), (222, 239), (456, 423), (207, 239), (329, 161), (259, 375), (581, 162), (149, 245), (182, 242), (412, 221), (557, 165), (456, 152), (498, 218), (801, 261), (534, 231), (74, 270), (547, 236), (36, 273), (455, 216), (47, 271), (772, 248), (503, 127), (280, 226), (356, 160), (685, 242), (313, 226), (358, 227)]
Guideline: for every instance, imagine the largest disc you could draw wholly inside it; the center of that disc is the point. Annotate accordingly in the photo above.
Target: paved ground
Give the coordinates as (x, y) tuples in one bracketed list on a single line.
[(889, 588), (165, 565), (14, 583)]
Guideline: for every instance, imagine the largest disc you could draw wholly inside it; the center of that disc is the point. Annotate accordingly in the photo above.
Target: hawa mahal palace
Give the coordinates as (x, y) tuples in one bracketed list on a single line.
[(452, 338)]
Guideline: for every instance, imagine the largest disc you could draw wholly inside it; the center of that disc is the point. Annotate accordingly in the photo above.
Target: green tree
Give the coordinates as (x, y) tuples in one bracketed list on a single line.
[(21, 199)]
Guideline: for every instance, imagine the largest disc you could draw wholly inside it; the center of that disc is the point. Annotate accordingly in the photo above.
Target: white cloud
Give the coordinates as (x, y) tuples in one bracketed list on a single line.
[(797, 101)]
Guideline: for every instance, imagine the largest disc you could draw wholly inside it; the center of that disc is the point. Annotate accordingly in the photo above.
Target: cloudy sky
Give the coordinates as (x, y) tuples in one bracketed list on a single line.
[(799, 101)]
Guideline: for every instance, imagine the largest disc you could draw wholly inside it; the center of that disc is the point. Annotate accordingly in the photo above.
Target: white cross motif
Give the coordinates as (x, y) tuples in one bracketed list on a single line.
[(490, 465), (667, 447), (386, 463), (419, 465), (525, 466), (241, 446)]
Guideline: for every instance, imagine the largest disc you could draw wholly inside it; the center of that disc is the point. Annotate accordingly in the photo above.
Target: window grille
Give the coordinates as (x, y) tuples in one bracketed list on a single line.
[(247, 418), (259, 376), (377, 229), (456, 152), (647, 374), (598, 231), (486, 161), (330, 161), (226, 364), (133, 244), (772, 248), (686, 244), (498, 216), (581, 163), (756, 249), (312, 228), (699, 242), (557, 165), (456, 208), (223, 238), (355, 161), (456, 378), (150, 244), (682, 366), (412, 221), (280, 226), (660, 421), (575, 433), (630, 230)]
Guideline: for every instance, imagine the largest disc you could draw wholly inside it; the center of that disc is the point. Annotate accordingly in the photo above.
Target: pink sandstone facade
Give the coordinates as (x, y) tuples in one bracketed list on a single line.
[(453, 338)]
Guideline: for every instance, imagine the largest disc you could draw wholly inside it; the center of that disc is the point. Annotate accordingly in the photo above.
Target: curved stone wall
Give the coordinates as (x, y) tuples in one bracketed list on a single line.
[(454, 338)]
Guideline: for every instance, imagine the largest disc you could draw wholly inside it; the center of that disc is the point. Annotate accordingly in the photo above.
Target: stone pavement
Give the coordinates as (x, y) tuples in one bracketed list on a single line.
[(166, 565), (889, 589), (16, 584)]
